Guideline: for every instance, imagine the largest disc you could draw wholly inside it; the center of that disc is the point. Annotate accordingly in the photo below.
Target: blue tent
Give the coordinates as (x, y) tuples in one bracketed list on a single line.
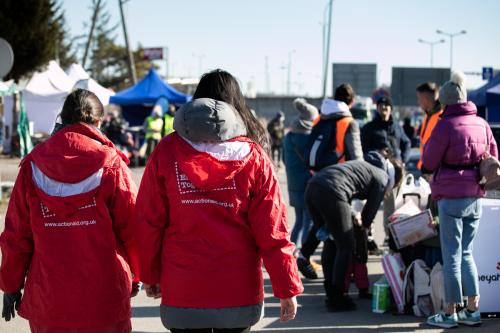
[(478, 96), (493, 104), (137, 101)]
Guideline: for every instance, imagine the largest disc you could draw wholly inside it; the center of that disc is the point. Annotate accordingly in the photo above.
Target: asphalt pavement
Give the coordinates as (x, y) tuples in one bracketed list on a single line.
[(312, 316)]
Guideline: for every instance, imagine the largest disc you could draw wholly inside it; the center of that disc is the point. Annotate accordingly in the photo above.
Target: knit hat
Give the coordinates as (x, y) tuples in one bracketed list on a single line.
[(376, 159), (453, 91), (385, 100), (306, 110), (208, 120), (303, 123)]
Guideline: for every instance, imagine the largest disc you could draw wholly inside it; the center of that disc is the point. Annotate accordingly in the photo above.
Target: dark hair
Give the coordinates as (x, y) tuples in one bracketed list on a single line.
[(81, 106), (344, 93), (428, 87), (222, 86)]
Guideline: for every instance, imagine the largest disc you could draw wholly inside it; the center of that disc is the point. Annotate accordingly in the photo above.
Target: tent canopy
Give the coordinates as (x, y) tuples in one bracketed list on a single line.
[(44, 96), (478, 96), (83, 80), (148, 90)]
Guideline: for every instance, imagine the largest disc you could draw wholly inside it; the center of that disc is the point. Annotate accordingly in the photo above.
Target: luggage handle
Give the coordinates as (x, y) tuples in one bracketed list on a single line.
[(411, 195)]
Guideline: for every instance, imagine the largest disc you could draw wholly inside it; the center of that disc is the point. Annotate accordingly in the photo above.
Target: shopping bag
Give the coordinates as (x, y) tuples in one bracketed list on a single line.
[(394, 270), (409, 209), (380, 299), (417, 191)]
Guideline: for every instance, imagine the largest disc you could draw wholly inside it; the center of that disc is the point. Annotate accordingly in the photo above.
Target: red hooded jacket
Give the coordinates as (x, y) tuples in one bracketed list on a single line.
[(67, 232), (204, 224)]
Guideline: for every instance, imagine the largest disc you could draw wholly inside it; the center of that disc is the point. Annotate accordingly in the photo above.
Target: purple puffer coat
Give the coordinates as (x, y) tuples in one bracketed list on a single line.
[(459, 138)]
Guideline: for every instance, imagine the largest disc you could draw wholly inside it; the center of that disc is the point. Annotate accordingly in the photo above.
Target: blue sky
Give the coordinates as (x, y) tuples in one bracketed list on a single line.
[(238, 35)]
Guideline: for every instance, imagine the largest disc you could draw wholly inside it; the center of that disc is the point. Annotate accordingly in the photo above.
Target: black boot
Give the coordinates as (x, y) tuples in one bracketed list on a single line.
[(364, 294), (338, 302), (306, 268)]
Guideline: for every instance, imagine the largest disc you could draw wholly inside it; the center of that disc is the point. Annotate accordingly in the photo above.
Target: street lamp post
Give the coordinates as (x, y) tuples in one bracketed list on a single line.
[(431, 44), (327, 53), (451, 35)]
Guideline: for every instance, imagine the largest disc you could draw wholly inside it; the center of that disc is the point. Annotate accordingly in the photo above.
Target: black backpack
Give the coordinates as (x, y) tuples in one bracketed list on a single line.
[(320, 148)]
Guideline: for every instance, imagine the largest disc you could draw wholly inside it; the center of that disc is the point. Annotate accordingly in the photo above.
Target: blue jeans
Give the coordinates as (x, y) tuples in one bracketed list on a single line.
[(301, 226), (458, 223)]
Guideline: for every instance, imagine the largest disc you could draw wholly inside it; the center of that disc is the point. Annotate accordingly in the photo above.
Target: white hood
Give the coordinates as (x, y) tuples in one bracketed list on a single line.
[(330, 107)]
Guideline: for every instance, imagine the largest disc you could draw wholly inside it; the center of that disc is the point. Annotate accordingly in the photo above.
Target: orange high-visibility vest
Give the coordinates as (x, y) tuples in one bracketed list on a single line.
[(341, 128), (425, 133)]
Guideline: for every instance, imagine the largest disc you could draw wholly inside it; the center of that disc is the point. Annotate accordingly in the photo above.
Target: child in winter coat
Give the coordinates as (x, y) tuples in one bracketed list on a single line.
[(218, 213), (68, 240)]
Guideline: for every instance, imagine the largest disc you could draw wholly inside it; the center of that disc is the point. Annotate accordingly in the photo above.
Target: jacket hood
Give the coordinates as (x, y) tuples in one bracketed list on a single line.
[(331, 108), (210, 165), (74, 153), (208, 120), (67, 169), (462, 109)]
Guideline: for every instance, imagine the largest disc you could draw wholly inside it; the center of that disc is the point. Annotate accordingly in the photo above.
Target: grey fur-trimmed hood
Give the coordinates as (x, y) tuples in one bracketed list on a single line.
[(208, 120)]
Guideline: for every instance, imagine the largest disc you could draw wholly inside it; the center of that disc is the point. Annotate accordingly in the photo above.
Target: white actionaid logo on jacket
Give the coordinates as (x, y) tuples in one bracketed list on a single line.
[(59, 189)]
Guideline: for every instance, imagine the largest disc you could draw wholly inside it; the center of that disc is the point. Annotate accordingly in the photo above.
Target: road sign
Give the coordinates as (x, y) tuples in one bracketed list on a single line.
[(153, 53), (487, 73)]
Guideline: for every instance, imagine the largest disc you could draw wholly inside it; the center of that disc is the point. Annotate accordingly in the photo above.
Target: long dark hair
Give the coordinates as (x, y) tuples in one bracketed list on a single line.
[(222, 86)]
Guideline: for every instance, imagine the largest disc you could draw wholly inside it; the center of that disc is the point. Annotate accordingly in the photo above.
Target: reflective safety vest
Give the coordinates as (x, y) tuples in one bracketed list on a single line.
[(168, 124), (341, 129), (425, 133), (153, 128)]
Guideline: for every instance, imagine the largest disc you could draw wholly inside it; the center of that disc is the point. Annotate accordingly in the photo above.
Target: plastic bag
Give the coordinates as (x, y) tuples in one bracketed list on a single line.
[(381, 299)]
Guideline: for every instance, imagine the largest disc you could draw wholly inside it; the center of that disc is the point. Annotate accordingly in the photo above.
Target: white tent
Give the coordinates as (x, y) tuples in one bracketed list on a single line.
[(6, 89), (84, 81), (44, 97)]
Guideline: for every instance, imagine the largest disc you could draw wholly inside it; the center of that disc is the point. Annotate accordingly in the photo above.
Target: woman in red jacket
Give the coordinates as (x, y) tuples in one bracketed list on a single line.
[(67, 240), (209, 210)]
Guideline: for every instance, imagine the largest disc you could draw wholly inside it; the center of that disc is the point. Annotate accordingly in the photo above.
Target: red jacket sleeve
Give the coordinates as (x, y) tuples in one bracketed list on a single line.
[(16, 240), (267, 217), (151, 221), (122, 212)]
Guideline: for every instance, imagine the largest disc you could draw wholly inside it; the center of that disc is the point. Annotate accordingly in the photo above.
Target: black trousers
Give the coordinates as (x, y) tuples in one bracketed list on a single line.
[(211, 330), (326, 209), (311, 243)]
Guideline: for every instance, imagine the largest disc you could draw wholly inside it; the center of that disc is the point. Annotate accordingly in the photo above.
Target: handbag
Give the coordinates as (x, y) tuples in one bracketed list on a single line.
[(489, 168)]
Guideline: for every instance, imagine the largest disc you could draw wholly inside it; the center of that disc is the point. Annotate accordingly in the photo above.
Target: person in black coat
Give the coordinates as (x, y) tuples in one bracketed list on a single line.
[(383, 131), (328, 198)]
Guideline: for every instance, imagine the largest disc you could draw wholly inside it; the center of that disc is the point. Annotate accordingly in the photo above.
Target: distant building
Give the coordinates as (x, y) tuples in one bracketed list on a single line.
[(406, 79), (362, 77)]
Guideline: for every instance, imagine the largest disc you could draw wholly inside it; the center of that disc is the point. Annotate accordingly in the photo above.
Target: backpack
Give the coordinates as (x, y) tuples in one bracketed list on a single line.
[(320, 150), (437, 288), (417, 289)]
